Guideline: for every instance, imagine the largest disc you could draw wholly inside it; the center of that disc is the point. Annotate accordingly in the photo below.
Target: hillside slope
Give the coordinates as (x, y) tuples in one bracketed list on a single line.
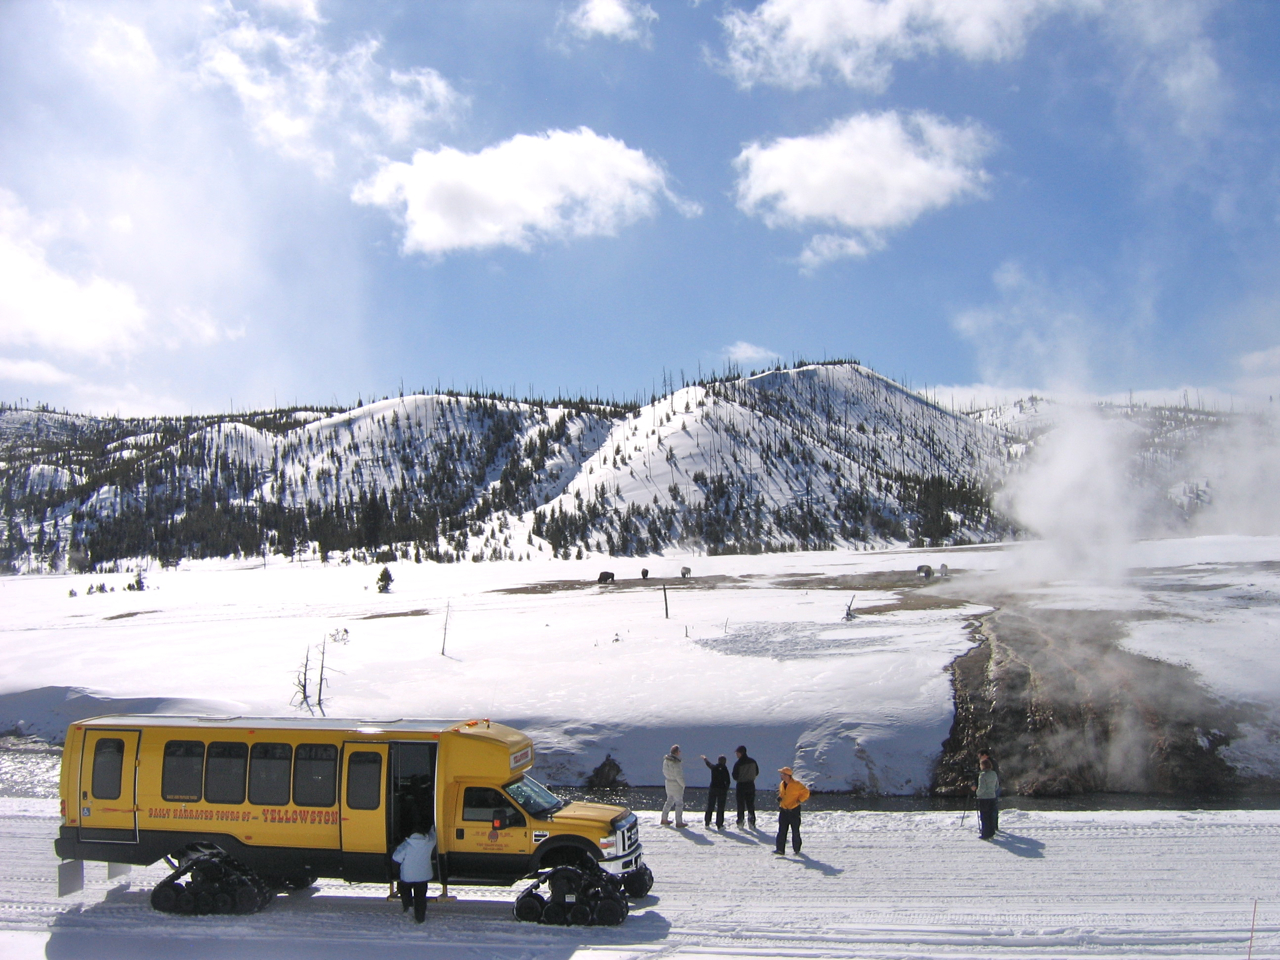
[(809, 457)]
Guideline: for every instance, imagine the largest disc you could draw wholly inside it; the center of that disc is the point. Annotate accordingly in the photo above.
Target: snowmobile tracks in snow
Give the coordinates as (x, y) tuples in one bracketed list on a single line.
[(1133, 884)]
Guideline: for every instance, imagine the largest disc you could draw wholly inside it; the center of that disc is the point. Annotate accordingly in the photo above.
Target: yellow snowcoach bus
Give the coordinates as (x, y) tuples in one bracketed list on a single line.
[(242, 807)]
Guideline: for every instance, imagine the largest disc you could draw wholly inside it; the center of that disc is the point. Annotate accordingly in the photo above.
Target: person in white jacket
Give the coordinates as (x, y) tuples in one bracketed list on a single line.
[(673, 774), (414, 857)]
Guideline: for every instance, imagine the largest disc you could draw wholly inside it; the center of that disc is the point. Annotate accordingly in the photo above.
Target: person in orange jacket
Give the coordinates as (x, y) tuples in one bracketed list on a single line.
[(791, 793)]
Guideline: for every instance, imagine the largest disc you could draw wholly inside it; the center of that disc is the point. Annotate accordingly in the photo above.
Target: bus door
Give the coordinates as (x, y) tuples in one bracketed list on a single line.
[(364, 796), (109, 786), (491, 835), (412, 789)]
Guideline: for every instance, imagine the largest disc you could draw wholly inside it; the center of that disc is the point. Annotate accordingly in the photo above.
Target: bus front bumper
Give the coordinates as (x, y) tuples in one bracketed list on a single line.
[(628, 863)]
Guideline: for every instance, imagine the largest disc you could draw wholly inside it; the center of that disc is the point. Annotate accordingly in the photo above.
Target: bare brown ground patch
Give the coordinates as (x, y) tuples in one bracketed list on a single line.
[(401, 613), (881, 580), (915, 601), (561, 586)]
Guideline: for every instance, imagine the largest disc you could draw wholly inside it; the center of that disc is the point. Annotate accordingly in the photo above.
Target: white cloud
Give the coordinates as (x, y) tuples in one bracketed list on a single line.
[(1261, 374), (1033, 334), (865, 175), (747, 354), (551, 186), (45, 307), (622, 20), (117, 45), (1167, 79), (32, 371), (794, 43), (308, 102), (302, 9)]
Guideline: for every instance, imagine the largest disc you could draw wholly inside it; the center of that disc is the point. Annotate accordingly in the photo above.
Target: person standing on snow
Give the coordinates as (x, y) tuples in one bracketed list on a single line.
[(718, 792), (988, 789), (673, 774), (414, 857), (791, 793), (745, 771)]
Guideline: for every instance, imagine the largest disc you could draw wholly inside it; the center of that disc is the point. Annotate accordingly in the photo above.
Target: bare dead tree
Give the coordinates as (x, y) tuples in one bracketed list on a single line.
[(302, 686), (340, 636)]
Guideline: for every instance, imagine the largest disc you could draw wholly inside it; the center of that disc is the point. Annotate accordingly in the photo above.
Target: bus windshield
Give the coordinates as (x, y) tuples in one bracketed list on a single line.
[(536, 799)]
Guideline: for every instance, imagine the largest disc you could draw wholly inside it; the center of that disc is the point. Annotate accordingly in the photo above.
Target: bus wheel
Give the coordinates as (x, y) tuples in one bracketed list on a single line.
[(529, 907), (555, 914), (610, 912), (638, 883), (164, 898), (186, 903)]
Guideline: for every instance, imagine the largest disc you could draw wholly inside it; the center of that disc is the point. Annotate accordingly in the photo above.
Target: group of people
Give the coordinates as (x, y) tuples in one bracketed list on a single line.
[(791, 794), (414, 854)]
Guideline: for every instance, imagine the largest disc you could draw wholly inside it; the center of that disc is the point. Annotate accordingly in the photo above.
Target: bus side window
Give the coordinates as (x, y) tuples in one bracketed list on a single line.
[(483, 803), (183, 770), (364, 780), (315, 775), (108, 763), (224, 772), (269, 768)]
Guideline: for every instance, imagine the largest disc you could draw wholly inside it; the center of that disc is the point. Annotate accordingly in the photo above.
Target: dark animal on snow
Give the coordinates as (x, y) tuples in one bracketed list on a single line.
[(644, 573), (685, 573), (605, 577), (925, 571)]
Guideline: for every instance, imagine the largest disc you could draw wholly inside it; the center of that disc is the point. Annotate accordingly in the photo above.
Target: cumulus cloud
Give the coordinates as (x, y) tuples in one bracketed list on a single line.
[(45, 307), (747, 354), (795, 43), (864, 176), (1168, 81), (621, 20), (32, 371), (309, 102), (302, 9), (549, 186)]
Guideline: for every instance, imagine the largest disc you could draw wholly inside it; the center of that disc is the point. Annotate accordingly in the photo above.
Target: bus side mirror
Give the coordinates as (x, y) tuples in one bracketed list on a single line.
[(501, 819)]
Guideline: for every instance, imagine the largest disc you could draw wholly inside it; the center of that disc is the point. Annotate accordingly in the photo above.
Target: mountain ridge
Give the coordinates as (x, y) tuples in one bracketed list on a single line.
[(809, 457)]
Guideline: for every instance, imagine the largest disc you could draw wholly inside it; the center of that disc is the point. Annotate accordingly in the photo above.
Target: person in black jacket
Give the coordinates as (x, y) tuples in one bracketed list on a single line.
[(719, 790), (745, 771)]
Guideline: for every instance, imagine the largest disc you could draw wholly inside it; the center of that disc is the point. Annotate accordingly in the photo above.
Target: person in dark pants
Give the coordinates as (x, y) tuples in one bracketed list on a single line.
[(718, 792), (791, 794), (745, 771), (988, 790), (414, 857)]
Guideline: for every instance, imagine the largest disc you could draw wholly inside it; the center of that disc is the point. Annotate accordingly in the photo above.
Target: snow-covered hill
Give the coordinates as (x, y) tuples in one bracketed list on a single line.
[(811, 457), (807, 457)]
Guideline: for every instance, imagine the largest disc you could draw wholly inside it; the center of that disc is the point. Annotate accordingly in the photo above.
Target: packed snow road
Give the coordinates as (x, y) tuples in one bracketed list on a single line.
[(870, 885)]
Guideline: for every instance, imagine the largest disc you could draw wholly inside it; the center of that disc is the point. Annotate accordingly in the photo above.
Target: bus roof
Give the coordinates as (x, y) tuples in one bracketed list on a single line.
[(330, 724)]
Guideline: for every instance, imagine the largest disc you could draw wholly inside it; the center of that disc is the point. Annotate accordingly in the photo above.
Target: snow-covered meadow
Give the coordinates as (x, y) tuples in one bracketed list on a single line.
[(748, 650), (754, 649)]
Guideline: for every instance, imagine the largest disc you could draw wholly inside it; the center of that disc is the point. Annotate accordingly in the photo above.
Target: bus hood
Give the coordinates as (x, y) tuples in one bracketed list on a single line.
[(600, 815)]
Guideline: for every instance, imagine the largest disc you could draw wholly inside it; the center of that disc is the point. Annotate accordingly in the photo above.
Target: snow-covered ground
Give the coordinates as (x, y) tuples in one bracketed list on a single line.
[(754, 649), (870, 885)]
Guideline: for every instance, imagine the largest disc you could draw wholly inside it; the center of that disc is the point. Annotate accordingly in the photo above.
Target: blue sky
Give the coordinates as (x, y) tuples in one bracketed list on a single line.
[(208, 205)]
